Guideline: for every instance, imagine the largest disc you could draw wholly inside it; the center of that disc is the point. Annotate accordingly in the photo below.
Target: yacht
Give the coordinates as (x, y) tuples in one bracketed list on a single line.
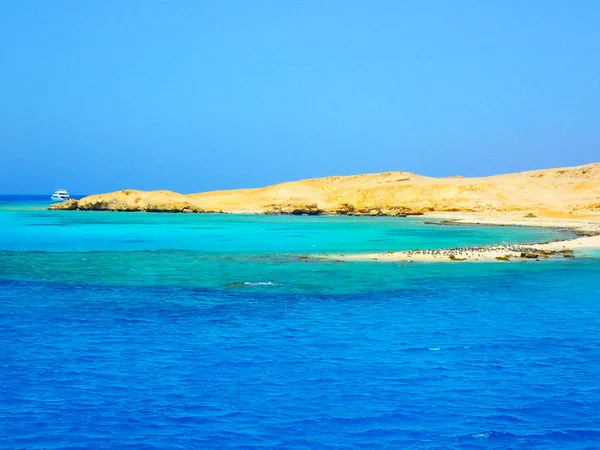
[(60, 195)]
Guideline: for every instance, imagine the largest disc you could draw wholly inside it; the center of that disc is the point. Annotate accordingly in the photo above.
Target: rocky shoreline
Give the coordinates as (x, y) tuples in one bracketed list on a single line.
[(280, 209), (173, 207)]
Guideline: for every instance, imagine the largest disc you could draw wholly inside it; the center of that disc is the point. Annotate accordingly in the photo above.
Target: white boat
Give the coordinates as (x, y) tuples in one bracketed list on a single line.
[(60, 195)]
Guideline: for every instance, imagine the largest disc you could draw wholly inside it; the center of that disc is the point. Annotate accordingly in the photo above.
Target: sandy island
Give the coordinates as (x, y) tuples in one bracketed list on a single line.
[(553, 198)]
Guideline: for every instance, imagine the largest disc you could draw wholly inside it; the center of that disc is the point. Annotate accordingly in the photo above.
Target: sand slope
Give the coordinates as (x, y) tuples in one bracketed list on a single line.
[(564, 191)]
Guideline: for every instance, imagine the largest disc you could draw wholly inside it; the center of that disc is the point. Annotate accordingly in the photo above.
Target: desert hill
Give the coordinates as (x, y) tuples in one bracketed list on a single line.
[(571, 190)]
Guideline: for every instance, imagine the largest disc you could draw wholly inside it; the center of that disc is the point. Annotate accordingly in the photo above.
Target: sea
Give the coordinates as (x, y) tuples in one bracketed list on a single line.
[(185, 331)]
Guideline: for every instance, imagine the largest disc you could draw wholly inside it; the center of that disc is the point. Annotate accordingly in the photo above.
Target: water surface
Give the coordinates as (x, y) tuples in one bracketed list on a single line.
[(212, 331)]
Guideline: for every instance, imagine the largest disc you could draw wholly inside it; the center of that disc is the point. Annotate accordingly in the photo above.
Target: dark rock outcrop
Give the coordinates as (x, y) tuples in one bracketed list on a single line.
[(69, 205), (293, 209)]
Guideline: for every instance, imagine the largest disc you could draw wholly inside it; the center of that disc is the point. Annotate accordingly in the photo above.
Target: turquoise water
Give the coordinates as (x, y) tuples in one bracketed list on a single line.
[(211, 331)]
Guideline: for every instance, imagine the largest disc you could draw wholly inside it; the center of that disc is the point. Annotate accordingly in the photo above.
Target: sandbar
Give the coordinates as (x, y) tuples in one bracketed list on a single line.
[(586, 236)]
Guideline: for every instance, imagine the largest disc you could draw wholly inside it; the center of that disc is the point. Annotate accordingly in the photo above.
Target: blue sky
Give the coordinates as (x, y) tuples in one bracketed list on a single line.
[(193, 95)]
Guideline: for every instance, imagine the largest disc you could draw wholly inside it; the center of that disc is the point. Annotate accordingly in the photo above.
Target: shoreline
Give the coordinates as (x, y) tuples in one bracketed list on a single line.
[(584, 227), (586, 236)]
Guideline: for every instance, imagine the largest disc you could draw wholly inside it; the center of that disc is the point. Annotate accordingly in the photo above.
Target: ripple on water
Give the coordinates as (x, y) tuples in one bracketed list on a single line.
[(151, 349)]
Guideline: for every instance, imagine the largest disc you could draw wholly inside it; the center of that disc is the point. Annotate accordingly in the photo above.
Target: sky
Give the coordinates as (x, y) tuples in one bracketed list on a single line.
[(197, 95)]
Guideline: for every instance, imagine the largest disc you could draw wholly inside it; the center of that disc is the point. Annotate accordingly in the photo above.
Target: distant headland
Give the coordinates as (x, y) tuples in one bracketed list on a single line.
[(567, 192)]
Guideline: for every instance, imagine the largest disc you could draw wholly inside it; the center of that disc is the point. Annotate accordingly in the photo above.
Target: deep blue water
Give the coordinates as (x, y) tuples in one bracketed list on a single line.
[(167, 331)]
